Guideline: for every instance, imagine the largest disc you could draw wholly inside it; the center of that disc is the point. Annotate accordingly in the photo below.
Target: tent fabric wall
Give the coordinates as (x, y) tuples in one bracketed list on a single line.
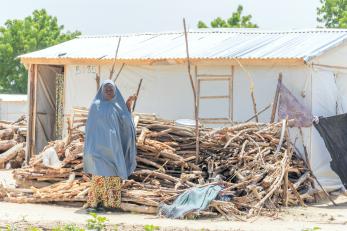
[(325, 102), (341, 84), (165, 89), (329, 97), (13, 106), (265, 80), (333, 57), (12, 110)]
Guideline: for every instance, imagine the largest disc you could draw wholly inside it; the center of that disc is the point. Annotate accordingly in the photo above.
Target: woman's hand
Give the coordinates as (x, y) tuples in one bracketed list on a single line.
[(132, 98), (130, 101)]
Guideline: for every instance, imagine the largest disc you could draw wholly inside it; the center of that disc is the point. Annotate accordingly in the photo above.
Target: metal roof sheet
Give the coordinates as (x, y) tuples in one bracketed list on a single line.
[(203, 44)]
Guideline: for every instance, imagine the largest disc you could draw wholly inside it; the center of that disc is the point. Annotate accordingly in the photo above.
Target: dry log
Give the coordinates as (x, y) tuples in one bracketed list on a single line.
[(301, 180), (148, 162), (6, 134), (11, 153), (6, 144)]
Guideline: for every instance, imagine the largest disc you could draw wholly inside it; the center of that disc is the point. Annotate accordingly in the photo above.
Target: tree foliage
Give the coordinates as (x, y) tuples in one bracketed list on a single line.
[(17, 37), (236, 20), (333, 13)]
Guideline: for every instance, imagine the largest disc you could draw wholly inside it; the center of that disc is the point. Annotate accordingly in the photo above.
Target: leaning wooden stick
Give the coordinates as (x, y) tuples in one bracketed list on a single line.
[(115, 59), (254, 105), (196, 113), (263, 110), (290, 153), (137, 95), (120, 71), (275, 102), (97, 78)]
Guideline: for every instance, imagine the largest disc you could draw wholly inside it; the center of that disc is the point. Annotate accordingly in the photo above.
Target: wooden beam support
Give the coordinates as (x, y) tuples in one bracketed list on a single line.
[(32, 96), (196, 110), (275, 102)]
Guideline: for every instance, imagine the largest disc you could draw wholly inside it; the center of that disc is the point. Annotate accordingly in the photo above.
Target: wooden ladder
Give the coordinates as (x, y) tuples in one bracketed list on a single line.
[(211, 78)]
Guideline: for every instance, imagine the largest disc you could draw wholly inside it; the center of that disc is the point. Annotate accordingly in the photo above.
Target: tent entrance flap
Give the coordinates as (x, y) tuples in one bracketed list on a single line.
[(48, 104)]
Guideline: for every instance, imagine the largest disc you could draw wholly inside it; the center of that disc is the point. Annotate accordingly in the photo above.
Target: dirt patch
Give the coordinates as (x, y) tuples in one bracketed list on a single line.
[(325, 216)]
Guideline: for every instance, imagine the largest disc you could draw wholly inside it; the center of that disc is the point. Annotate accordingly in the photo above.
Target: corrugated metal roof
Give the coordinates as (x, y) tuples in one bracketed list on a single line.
[(203, 44)]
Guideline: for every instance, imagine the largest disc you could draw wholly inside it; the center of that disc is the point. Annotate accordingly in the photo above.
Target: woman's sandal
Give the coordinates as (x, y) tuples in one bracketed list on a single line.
[(98, 209)]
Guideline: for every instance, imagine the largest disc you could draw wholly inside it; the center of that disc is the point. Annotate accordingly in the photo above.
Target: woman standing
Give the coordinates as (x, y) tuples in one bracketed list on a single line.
[(110, 148)]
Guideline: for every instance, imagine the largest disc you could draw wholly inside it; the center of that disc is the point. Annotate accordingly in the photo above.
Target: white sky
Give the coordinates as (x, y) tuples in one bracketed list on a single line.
[(123, 16)]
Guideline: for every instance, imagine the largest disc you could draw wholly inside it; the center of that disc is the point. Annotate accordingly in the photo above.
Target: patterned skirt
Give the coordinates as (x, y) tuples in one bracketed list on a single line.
[(105, 191)]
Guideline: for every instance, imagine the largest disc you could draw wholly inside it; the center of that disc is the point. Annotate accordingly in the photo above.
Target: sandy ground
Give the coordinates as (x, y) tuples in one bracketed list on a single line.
[(323, 215)]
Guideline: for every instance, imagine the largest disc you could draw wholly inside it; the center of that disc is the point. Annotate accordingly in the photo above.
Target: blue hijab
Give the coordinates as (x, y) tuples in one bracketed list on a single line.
[(109, 147)]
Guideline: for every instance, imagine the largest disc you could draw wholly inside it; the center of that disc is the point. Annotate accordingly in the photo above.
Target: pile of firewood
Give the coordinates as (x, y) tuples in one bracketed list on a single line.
[(12, 141), (255, 163), (69, 151)]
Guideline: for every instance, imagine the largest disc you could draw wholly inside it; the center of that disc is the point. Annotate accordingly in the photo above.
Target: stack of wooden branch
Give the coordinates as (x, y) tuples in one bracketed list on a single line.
[(70, 156), (254, 162), (69, 151), (259, 170), (12, 141)]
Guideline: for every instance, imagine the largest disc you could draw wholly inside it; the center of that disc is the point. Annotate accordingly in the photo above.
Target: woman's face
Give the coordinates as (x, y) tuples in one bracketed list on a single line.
[(108, 92)]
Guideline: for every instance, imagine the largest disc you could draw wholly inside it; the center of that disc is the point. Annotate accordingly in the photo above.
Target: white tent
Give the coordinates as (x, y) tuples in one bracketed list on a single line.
[(226, 63), (12, 106)]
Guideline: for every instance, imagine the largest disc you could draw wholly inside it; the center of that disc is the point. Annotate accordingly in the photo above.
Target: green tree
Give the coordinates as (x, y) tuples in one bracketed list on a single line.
[(236, 20), (333, 13), (17, 37)]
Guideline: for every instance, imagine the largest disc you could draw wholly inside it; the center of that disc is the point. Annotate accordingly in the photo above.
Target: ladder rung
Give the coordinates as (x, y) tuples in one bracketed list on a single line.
[(205, 78), (215, 97), (211, 75)]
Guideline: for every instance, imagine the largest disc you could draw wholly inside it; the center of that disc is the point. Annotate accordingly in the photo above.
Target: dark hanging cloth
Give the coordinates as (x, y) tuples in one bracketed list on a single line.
[(290, 106), (333, 130)]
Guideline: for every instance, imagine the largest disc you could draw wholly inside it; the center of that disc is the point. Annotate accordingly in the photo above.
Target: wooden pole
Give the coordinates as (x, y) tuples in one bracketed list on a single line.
[(310, 169), (30, 135), (196, 115), (137, 94), (97, 79), (254, 106), (115, 58), (231, 95), (275, 102), (285, 188), (290, 152), (120, 70)]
